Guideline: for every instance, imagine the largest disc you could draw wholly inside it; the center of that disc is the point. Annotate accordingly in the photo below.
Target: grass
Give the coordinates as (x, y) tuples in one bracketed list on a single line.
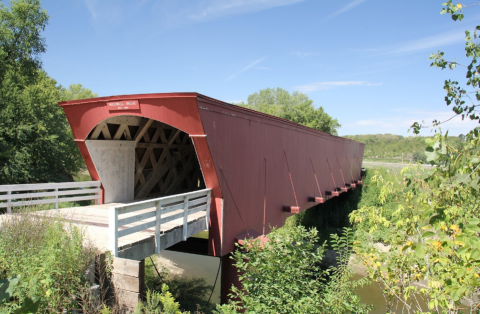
[(201, 235), (388, 160), (82, 176)]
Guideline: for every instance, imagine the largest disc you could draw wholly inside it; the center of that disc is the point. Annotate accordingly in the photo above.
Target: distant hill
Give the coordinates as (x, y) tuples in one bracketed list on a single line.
[(389, 146)]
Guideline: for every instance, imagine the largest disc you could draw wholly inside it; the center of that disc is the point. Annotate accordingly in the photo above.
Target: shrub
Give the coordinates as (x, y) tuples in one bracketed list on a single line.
[(48, 255), (284, 276), (158, 303)]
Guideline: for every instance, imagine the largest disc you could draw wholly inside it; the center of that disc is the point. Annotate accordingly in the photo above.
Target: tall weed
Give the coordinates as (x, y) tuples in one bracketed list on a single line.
[(50, 257)]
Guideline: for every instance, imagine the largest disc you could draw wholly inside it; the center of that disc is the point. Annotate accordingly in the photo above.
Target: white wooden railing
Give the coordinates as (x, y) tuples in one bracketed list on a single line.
[(150, 214), (47, 193)]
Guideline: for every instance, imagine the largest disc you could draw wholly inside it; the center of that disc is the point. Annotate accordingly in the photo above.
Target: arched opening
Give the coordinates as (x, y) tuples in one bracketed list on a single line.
[(143, 158)]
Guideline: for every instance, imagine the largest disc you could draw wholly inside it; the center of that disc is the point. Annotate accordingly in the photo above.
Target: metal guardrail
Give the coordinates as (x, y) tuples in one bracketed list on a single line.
[(149, 214), (47, 193)]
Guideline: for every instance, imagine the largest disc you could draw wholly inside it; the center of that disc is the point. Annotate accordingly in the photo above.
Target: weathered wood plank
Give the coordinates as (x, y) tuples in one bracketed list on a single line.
[(142, 129), (160, 171), (120, 131), (97, 131), (106, 132), (126, 267), (174, 137), (128, 120), (127, 298)]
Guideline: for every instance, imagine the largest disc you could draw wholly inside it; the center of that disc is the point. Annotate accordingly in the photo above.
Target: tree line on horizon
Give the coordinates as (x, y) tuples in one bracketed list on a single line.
[(411, 148)]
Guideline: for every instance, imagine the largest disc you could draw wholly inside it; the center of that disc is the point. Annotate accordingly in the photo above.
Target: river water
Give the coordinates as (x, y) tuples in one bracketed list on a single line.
[(194, 265)]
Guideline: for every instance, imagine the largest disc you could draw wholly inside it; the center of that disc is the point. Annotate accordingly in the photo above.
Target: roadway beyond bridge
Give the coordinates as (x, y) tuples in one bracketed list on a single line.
[(171, 165)]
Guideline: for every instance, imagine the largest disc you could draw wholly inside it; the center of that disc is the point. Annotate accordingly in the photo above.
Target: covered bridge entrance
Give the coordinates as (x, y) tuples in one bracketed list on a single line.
[(139, 158)]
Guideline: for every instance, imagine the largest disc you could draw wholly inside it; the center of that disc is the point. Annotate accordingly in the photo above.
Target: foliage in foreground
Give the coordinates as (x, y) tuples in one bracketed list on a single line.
[(296, 107), (158, 302), (433, 263), (285, 276), (7, 287), (48, 256)]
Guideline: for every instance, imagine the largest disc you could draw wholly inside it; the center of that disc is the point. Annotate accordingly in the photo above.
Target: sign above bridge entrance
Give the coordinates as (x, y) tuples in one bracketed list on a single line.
[(123, 105)]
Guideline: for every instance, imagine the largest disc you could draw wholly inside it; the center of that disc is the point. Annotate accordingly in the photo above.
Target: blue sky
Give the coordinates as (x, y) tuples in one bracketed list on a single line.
[(365, 61)]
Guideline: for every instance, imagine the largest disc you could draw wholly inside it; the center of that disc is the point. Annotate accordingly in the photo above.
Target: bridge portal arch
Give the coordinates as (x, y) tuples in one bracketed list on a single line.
[(137, 158)]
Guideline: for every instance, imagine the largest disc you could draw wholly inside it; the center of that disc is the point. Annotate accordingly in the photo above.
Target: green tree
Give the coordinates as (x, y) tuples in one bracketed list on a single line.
[(296, 107), (435, 222), (21, 42), (75, 91), (36, 143)]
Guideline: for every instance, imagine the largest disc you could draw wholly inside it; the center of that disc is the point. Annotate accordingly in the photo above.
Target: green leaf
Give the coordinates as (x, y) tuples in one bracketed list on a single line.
[(428, 234), (29, 306), (473, 221), (473, 228), (6, 288), (420, 250), (458, 293)]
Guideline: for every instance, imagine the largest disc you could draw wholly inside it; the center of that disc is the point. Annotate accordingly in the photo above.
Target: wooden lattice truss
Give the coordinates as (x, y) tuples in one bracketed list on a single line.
[(165, 159)]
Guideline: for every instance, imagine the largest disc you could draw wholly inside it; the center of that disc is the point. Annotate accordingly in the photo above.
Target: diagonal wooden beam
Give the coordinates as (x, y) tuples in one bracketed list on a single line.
[(163, 138), (141, 176), (156, 135), (160, 171), (165, 155), (173, 187), (141, 165), (174, 137), (128, 136), (169, 180), (97, 130), (106, 132), (142, 129), (120, 131)]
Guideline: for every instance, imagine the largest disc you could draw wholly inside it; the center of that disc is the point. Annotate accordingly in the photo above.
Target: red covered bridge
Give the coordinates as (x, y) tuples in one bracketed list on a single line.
[(236, 171)]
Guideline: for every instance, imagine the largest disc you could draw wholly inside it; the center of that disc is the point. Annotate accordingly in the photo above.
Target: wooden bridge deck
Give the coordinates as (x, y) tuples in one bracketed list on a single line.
[(94, 220)]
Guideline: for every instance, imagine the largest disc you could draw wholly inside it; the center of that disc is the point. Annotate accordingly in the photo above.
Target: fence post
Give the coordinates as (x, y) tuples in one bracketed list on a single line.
[(209, 196), (56, 197), (157, 227), (185, 219), (113, 229), (9, 200)]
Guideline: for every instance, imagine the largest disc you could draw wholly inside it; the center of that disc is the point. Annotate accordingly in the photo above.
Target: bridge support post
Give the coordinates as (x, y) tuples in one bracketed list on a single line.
[(128, 277), (229, 277)]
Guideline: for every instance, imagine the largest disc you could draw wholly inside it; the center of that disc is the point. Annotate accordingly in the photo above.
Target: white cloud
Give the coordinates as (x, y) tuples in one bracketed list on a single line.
[(346, 8), (328, 85), (302, 54), (427, 43), (219, 8), (167, 14), (401, 120), (248, 67)]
